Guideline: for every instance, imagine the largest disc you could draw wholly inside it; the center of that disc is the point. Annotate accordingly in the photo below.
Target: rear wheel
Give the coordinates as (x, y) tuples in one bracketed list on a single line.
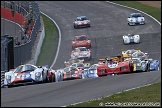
[(53, 78), (45, 76)]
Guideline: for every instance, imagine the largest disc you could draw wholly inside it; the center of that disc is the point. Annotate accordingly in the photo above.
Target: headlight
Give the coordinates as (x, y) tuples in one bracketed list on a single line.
[(91, 71), (138, 64), (37, 74)]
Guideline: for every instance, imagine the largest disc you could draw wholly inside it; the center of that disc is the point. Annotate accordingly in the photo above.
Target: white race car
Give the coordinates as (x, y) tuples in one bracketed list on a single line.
[(81, 53), (81, 21), (136, 18), (140, 55), (127, 39)]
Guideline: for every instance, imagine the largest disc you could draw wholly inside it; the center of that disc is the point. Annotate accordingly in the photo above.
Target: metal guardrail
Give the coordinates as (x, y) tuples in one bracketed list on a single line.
[(2, 77)]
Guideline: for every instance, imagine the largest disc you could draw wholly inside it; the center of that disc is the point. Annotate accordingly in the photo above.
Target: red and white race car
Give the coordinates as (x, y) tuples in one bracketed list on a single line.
[(81, 53), (81, 21), (109, 66)]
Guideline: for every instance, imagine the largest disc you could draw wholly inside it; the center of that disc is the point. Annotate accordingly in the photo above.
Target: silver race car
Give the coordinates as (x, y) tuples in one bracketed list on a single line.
[(127, 39), (81, 53), (72, 60), (140, 55), (136, 18)]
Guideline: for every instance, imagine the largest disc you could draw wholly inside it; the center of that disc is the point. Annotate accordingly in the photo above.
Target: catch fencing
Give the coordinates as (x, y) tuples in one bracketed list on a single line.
[(30, 10)]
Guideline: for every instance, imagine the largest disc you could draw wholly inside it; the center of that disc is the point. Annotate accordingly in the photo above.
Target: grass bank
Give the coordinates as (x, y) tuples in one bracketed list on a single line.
[(49, 46), (151, 93)]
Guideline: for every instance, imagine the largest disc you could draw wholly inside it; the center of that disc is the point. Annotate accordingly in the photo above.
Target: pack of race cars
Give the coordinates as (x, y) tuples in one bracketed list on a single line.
[(77, 67)]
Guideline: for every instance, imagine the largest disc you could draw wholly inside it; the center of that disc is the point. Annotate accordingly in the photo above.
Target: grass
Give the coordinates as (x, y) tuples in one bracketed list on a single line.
[(155, 12), (151, 93), (49, 46)]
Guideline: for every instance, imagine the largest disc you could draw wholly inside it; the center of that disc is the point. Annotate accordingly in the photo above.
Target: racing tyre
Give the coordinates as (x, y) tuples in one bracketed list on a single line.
[(45, 76), (148, 68), (82, 76), (53, 78)]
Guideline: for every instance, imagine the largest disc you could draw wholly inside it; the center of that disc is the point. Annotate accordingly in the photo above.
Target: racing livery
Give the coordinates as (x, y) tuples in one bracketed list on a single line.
[(111, 67), (72, 72), (140, 55), (81, 21), (72, 60), (81, 53), (29, 74), (128, 53), (127, 39), (154, 64), (140, 65), (81, 41), (136, 18)]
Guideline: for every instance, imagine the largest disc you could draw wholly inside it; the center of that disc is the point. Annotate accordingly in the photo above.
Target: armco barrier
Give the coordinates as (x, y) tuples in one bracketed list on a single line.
[(2, 77)]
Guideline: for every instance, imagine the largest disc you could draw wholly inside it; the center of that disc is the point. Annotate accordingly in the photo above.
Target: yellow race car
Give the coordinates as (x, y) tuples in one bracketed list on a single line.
[(128, 53)]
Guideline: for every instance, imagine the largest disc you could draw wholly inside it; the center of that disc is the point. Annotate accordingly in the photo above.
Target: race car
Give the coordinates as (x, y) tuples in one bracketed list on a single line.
[(140, 65), (118, 58), (81, 65), (29, 73), (81, 21), (90, 72), (136, 18), (140, 55), (128, 53), (110, 67), (127, 39), (154, 64), (81, 53), (72, 72), (73, 60), (81, 41)]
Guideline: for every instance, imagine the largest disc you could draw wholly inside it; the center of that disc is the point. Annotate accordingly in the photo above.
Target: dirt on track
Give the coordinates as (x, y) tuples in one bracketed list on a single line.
[(156, 4)]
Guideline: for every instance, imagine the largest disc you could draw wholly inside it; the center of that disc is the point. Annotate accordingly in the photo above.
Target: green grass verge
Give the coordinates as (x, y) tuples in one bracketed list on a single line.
[(151, 93), (49, 46), (155, 12)]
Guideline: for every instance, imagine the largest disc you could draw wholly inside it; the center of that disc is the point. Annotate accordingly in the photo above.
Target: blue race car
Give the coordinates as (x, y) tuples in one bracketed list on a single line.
[(90, 72), (154, 65)]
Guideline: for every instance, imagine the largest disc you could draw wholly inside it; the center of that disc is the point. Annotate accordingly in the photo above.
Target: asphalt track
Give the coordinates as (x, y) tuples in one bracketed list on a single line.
[(108, 25), (10, 28)]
